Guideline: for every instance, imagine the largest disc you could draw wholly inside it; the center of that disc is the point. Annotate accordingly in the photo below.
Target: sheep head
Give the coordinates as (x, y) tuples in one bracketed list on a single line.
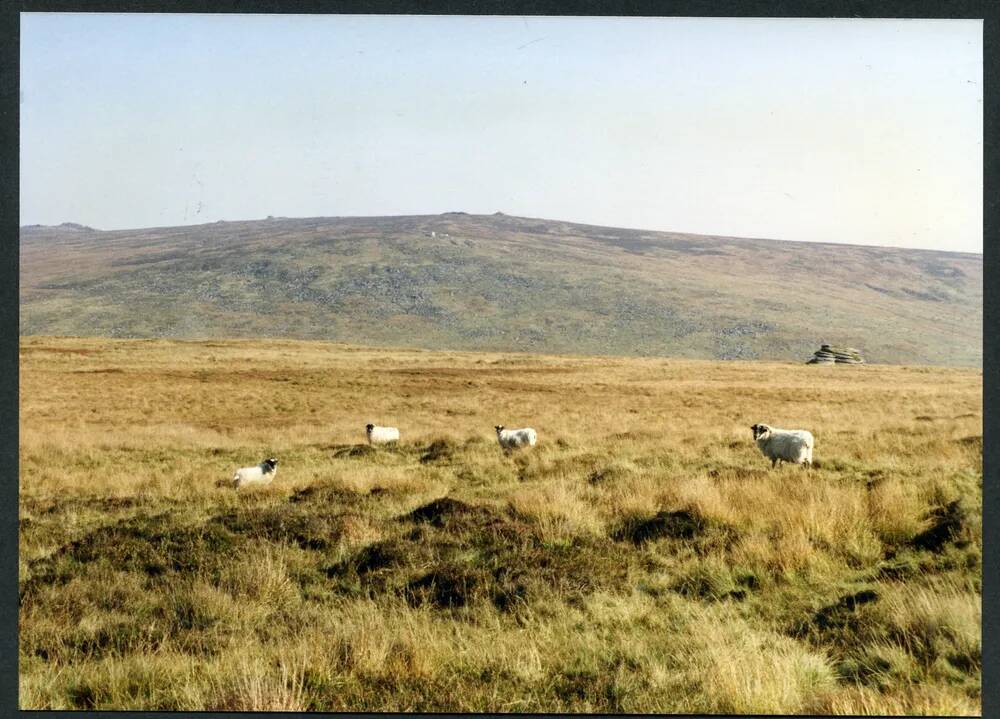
[(760, 431)]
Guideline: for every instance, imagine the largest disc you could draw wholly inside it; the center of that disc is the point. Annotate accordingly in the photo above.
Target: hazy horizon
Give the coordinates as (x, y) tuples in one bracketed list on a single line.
[(863, 132)]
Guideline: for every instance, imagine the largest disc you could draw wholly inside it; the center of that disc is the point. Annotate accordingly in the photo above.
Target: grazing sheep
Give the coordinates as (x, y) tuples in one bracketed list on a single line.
[(512, 438), (381, 435), (784, 445), (263, 473)]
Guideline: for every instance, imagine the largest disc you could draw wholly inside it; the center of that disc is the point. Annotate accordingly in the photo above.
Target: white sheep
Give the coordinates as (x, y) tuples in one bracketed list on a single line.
[(784, 445), (381, 435), (512, 438), (263, 473)]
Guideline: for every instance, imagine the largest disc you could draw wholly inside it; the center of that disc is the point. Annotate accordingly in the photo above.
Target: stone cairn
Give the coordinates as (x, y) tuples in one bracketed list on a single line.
[(836, 355)]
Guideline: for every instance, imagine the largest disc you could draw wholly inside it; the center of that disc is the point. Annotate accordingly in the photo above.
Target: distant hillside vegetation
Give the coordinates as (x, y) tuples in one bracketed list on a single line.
[(498, 282)]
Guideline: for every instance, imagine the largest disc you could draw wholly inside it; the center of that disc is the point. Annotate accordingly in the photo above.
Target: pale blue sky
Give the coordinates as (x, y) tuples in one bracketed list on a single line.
[(858, 131)]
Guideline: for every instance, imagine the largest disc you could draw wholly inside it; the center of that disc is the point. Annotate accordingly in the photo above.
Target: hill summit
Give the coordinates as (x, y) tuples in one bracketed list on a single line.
[(501, 282)]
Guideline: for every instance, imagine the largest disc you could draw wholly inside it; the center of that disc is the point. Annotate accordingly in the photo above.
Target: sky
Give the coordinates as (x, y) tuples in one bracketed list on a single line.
[(858, 131)]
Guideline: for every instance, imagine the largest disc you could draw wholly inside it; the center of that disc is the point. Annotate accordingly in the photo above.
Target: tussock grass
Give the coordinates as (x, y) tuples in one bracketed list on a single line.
[(643, 557), (752, 671)]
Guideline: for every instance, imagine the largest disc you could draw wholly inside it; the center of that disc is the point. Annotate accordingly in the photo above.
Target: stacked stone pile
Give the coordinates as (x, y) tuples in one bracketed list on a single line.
[(836, 355)]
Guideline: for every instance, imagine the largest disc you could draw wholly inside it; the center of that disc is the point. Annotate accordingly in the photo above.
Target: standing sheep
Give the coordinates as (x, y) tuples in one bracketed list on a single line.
[(263, 473), (784, 445), (514, 438), (381, 435)]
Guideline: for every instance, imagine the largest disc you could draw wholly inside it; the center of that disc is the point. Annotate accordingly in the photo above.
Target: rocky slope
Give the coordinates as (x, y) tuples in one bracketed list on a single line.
[(503, 283)]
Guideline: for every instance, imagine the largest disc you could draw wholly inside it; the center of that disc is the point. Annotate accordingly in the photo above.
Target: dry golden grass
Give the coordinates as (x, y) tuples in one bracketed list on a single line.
[(643, 557)]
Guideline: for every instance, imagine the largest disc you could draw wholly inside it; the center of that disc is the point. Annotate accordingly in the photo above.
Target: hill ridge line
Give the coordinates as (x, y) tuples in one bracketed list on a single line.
[(677, 234)]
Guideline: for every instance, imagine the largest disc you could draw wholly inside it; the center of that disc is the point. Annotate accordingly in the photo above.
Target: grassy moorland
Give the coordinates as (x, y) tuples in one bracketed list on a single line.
[(642, 558)]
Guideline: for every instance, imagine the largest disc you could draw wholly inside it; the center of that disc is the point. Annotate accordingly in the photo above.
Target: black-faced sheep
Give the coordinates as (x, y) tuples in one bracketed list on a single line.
[(381, 435), (784, 445), (263, 473)]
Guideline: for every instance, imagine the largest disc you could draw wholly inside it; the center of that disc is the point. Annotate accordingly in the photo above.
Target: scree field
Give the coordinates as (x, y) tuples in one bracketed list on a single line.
[(643, 557)]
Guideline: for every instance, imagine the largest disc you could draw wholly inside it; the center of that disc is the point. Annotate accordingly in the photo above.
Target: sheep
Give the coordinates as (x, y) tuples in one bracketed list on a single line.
[(513, 438), (381, 435), (263, 473), (784, 445)]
